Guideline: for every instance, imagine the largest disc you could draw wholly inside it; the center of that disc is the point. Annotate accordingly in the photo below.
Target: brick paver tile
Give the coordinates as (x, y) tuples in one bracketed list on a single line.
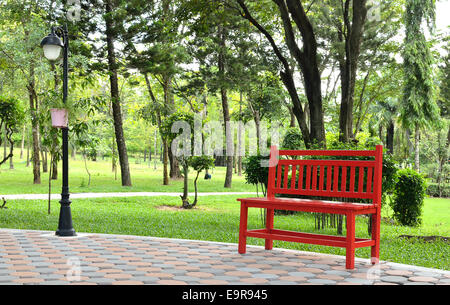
[(423, 279), (238, 273), (127, 283), (25, 274), (118, 276), (149, 269), (311, 270), (170, 282), (293, 278), (160, 275), (102, 265), (28, 280), (200, 274), (110, 270), (15, 256), (178, 263), (330, 277), (274, 271), (360, 275), (21, 267), (398, 272), (213, 282), (227, 267), (187, 268), (254, 280)]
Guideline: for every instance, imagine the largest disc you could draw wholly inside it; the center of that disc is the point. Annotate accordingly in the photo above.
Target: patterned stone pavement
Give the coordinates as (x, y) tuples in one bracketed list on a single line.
[(39, 257)]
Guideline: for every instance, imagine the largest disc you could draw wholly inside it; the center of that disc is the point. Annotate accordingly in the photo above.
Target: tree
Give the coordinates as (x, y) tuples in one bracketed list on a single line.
[(418, 107), (199, 163), (157, 58), (181, 149), (11, 116), (305, 58), (22, 28), (111, 36)]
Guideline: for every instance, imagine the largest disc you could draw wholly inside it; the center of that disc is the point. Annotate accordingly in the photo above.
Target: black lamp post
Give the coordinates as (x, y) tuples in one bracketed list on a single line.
[(52, 46)]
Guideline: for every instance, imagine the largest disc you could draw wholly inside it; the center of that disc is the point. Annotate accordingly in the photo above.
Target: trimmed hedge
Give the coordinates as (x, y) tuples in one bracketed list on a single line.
[(433, 190)]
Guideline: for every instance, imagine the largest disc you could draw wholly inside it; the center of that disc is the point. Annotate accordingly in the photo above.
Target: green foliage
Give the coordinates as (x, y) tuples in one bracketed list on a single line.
[(418, 104), (200, 163), (409, 195), (11, 113), (254, 172), (433, 190), (293, 139)]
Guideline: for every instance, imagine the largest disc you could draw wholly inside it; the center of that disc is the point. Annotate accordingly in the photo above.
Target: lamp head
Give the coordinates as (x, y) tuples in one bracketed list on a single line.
[(52, 46)]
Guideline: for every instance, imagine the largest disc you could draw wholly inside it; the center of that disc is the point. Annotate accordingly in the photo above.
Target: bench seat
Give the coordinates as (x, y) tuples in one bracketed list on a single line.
[(308, 205)]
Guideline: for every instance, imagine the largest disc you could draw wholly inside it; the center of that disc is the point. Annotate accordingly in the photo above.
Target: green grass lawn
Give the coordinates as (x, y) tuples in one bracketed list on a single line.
[(217, 219), (143, 176)]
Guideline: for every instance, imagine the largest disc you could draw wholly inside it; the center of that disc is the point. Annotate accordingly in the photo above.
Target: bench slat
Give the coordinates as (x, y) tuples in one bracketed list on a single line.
[(286, 172), (294, 169), (328, 162), (356, 153), (352, 179), (361, 179)]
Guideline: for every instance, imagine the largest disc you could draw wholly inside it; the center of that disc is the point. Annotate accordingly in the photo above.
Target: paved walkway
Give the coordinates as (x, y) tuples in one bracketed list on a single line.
[(40, 257), (122, 194)]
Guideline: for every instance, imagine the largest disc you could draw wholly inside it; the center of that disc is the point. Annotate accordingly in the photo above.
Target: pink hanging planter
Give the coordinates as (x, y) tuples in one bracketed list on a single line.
[(59, 118)]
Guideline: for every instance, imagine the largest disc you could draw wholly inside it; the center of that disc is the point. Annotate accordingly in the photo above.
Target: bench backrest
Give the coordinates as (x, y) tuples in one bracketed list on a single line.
[(326, 178)]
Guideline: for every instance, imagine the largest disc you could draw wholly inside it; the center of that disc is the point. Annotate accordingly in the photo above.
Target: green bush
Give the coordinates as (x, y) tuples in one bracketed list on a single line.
[(433, 190), (255, 173), (409, 194)]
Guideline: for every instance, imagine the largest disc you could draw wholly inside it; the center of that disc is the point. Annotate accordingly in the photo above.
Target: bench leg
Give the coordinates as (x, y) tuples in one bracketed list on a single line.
[(269, 226), (243, 229), (350, 250), (375, 250)]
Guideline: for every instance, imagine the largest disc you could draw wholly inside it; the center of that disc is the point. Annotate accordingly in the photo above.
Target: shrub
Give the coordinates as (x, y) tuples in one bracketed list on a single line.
[(293, 139), (433, 190), (255, 173), (409, 194)]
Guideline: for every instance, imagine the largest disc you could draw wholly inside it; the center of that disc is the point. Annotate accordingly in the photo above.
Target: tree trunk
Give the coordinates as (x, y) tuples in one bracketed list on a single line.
[(225, 109), (115, 97), (23, 142), (390, 137), (5, 141), (44, 159), (175, 172), (292, 115), (165, 161), (34, 127), (28, 155), (54, 165), (348, 65), (11, 163), (417, 149)]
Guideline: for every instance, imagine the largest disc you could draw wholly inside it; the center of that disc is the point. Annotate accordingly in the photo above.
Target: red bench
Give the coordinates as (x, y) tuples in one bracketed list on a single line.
[(320, 178)]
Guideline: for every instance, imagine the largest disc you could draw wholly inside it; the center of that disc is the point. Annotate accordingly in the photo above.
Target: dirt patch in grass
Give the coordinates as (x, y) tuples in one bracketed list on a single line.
[(179, 208), (432, 238)]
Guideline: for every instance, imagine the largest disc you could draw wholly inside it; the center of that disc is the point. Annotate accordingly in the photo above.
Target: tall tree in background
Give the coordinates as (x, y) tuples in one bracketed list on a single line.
[(111, 36), (23, 23), (152, 48), (418, 107)]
